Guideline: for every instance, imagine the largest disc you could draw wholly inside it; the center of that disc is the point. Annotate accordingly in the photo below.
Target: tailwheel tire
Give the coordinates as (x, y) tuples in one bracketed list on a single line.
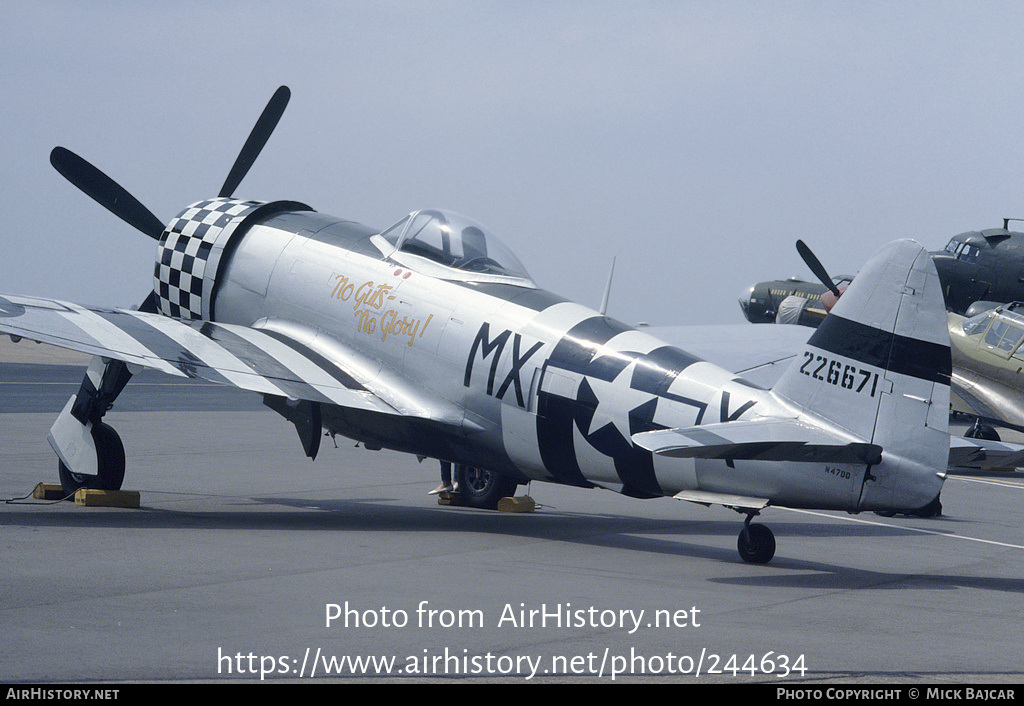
[(483, 489), (932, 509), (109, 462), (756, 544)]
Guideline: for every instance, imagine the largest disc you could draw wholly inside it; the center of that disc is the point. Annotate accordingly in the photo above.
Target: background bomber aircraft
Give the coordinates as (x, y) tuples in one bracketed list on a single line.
[(982, 276), (979, 270), (430, 338)]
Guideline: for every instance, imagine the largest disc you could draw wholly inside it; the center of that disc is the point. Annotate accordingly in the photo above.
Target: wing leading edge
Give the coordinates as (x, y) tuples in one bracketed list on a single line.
[(259, 360)]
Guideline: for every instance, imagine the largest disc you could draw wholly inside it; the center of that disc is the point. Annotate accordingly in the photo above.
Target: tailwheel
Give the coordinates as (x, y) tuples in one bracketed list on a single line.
[(932, 509), (109, 461), (756, 543), (483, 489)]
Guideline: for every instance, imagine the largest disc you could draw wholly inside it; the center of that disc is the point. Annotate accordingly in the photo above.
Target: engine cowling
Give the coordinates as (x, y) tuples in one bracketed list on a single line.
[(195, 246)]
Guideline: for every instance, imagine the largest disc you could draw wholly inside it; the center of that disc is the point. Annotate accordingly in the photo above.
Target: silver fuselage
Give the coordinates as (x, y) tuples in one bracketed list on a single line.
[(509, 377)]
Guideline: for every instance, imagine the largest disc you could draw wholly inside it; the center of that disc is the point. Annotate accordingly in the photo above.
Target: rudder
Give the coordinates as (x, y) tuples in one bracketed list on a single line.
[(879, 367)]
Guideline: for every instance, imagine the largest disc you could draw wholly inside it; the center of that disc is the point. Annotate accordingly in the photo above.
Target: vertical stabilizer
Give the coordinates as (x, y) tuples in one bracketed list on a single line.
[(879, 367)]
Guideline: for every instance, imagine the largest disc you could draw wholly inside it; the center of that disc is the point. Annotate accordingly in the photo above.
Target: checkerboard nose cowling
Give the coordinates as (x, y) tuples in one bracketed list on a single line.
[(190, 252)]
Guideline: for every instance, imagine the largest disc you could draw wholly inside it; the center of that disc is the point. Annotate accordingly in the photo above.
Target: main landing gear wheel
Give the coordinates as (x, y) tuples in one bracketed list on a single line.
[(483, 489), (109, 462), (986, 432), (756, 544)]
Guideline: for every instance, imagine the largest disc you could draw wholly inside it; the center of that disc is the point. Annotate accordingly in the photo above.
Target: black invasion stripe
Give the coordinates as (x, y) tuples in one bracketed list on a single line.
[(320, 361), (261, 361), (882, 349), (655, 374), (657, 370), (578, 347), (165, 347)]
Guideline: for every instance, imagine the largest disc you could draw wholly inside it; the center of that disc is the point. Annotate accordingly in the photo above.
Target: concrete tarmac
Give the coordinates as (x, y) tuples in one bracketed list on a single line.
[(248, 561)]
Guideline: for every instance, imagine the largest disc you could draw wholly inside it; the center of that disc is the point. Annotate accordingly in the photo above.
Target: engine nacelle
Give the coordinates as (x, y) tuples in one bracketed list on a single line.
[(796, 309)]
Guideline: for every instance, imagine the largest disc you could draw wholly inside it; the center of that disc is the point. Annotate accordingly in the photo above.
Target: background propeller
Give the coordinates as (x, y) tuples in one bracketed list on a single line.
[(821, 273), (816, 267)]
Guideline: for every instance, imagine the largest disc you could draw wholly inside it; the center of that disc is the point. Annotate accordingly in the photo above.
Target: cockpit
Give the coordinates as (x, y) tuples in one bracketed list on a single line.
[(1003, 328), (962, 251), (448, 245)]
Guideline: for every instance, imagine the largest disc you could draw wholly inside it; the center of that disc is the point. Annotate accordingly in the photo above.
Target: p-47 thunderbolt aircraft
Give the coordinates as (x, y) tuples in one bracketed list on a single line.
[(430, 338)]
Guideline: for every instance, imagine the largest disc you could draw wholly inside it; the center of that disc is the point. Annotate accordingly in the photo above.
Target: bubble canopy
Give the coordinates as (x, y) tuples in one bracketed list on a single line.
[(449, 245)]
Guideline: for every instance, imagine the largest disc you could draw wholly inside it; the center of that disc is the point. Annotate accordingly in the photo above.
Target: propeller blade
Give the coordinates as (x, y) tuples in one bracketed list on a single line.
[(816, 267), (106, 192), (150, 303), (257, 139)]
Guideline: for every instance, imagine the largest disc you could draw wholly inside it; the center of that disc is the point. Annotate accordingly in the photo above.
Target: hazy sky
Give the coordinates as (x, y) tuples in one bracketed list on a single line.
[(693, 141)]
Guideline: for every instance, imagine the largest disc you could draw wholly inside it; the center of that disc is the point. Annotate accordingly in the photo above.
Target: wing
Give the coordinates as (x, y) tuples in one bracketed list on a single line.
[(286, 362), (979, 392), (981, 453)]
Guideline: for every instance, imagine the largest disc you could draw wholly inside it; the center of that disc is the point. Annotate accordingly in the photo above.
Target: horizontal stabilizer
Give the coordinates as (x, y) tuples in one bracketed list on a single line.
[(760, 440), (981, 453)]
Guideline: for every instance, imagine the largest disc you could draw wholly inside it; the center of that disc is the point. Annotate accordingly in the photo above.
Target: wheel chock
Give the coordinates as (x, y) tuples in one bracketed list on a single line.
[(450, 498), (107, 498), (48, 491), (519, 504)]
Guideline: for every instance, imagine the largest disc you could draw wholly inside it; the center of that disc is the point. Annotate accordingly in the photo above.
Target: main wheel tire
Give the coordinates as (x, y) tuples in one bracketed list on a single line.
[(986, 432), (109, 462), (756, 544), (483, 489)]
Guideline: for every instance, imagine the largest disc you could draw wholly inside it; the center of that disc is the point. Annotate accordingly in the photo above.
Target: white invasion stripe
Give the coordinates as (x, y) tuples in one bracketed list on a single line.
[(213, 355), (304, 369), (595, 465), (558, 319), (561, 382), (116, 340)]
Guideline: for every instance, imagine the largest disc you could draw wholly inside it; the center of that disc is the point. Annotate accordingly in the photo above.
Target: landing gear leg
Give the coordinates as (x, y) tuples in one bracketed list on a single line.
[(756, 542), (91, 453)]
